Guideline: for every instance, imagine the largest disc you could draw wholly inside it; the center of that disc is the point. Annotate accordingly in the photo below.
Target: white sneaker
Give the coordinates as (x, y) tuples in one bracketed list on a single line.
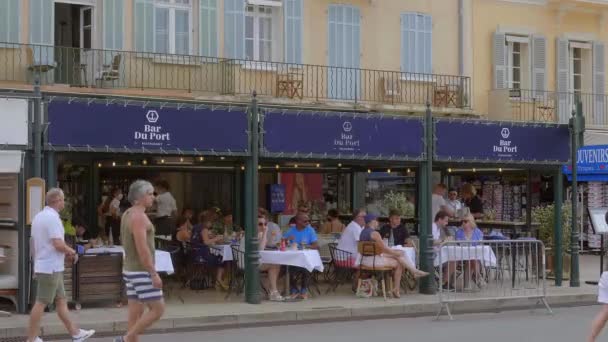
[(38, 339), (83, 335)]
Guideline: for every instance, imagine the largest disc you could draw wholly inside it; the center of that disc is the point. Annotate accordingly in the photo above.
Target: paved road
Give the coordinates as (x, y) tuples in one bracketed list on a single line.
[(568, 325)]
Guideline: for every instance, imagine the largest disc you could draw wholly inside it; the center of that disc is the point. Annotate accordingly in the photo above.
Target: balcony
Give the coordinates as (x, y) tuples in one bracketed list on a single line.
[(65, 69), (547, 106)]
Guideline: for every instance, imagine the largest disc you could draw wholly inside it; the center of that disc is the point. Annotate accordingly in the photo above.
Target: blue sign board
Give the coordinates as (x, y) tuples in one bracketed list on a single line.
[(501, 142), (79, 124), (343, 135), (591, 163), (276, 195)]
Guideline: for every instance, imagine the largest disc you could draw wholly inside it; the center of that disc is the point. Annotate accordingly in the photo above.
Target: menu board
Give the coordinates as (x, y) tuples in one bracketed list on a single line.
[(598, 220)]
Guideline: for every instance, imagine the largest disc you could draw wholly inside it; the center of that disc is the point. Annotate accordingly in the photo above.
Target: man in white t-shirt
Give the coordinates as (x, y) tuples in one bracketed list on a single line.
[(49, 252), (439, 202), (166, 209), (350, 236)]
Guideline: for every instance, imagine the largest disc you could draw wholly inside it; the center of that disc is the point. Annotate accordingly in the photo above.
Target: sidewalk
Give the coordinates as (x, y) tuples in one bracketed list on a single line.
[(208, 309)]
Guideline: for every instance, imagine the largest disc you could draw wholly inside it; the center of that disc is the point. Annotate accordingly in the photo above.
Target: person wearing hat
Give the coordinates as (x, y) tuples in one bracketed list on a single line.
[(392, 258)]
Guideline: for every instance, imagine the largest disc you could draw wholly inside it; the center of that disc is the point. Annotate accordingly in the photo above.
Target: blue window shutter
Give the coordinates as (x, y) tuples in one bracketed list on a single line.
[(416, 43), (208, 28), (113, 24), (293, 10), (144, 25), (9, 21), (42, 17), (234, 29)]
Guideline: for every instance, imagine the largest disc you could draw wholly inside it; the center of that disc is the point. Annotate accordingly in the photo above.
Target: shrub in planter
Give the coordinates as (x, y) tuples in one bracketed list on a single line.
[(543, 215)]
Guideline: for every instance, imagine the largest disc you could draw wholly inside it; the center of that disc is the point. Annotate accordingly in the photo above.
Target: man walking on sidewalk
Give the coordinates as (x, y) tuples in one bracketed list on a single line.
[(50, 250), (144, 285)]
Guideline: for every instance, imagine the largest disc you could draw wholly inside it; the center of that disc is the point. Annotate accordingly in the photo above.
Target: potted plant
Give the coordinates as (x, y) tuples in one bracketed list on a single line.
[(398, 201), (543, 215)]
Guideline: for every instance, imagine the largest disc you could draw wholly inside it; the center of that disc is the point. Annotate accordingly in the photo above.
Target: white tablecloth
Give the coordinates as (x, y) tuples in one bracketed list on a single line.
[(224, 250), (308, 259), (409, 253), (162, 259), (458, 253)]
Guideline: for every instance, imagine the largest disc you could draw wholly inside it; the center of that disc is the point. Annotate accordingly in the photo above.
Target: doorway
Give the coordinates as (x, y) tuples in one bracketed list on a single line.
[(74, 26)]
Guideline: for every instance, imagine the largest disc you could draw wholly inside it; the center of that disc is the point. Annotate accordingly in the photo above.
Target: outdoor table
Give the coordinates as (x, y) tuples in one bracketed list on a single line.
[(225, 251), (162, 259), (309, 259), (485, 254)]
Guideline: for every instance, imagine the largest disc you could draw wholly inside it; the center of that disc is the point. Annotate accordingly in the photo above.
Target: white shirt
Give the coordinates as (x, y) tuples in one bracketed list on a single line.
[(165, 204), (114, 204), (455, 205), (436, 233), (438, 202), (350, 238), (47, 226)]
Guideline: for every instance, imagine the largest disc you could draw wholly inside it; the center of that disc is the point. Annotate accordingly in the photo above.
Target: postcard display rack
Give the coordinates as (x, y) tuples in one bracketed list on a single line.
[(595, 195)]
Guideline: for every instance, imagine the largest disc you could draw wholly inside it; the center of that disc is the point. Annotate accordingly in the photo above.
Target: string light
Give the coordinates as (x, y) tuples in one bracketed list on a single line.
[(474, 170), (243, 168), (450, 170), (129, 163), (296, 166), (201, 158), (181, 159), (113, 163), (339, 164), (369, 170), (145, 162), (388, 171), (277, 166), (259, 167), (500, 169), (99, 165), (408, 170), (318, 165), (162, 161), (222, 158)]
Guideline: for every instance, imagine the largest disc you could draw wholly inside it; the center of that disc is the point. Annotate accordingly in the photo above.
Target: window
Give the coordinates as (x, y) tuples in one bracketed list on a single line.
[(576, 55), (172, 26), (519, 69), (416, 43), (163, 26), (258, 33)]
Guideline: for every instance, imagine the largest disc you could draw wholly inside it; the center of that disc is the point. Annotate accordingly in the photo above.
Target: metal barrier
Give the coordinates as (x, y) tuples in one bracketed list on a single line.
[(490, 269)]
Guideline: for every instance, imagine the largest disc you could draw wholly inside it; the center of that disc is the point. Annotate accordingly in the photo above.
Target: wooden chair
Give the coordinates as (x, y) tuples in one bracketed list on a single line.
[(371, 249), (391, 88), (110, 72), (290, 83), (99, 278)]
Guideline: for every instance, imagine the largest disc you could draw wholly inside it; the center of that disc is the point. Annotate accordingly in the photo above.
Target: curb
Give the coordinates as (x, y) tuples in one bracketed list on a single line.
[(315, 315)]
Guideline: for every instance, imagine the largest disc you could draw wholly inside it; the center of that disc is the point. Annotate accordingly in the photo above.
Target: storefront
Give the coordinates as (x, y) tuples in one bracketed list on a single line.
[(14, 138), (513, 167), (592, 172), (99, 145), (334, 160)]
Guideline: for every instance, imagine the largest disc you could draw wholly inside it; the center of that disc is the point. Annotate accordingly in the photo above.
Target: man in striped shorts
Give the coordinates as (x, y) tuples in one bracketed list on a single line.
[(144, 286)]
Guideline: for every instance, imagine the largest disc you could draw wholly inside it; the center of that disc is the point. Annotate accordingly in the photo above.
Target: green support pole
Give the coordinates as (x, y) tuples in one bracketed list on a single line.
[(427, 284), (558, 252), (576, 127), (51, 170), (252, 256)]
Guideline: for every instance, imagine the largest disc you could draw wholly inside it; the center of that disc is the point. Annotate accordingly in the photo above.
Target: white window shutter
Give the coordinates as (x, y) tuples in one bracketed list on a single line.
[(599, 85), (9, 21), (292, 12), (113, 23), (539, 65), (427, 36), (144, 25), (408, 42), (208, 28), (563, 72), (500, 61), (42, 18), (234, 29)]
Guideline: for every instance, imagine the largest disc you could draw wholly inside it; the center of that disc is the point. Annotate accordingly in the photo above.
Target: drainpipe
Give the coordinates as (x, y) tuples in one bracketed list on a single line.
[(461, 37)]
